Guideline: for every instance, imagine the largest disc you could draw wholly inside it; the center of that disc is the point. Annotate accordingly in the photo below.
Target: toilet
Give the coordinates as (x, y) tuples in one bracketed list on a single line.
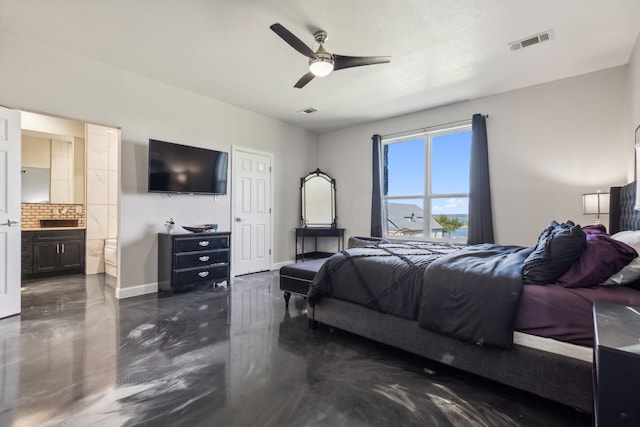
[(111, 257)]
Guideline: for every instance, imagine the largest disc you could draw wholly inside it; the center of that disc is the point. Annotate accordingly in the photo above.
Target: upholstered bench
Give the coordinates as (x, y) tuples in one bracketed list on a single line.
[(296, 278)]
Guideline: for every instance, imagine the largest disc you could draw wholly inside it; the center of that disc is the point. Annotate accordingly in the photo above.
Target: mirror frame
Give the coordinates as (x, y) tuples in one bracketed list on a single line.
[(306, 202)]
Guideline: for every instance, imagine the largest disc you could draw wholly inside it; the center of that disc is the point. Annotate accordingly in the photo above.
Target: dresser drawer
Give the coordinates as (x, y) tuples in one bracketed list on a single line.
[(201, 258), (194, 275), (189, 244)]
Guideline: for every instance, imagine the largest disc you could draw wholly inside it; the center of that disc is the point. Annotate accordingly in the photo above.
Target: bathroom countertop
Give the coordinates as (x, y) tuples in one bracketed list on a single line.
[(53, 228)]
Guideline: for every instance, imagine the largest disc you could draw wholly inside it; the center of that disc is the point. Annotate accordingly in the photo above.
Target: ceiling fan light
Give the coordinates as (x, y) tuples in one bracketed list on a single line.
[(321, 67)]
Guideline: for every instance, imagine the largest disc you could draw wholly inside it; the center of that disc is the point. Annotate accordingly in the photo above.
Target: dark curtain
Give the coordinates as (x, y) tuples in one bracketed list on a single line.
[(480, 215), (376, 192)]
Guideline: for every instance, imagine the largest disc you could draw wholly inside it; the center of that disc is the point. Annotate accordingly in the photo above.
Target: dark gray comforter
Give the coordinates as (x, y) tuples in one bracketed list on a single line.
[(387, 277), (470, 293), (473, 294)]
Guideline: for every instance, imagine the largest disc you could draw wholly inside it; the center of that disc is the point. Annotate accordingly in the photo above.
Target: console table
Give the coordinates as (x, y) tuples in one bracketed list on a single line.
[(616, 375), (187, 260), (316, 232)]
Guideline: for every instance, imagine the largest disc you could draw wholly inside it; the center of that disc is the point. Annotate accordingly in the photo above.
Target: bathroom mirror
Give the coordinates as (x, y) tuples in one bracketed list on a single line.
[(52, 168), (318, 196), (35, 185)]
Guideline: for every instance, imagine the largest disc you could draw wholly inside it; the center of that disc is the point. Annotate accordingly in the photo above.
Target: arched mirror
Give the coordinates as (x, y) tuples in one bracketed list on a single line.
[(318, 195)]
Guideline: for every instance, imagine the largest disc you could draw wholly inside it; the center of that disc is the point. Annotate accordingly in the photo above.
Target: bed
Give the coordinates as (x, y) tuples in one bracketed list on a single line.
[(546, 346)]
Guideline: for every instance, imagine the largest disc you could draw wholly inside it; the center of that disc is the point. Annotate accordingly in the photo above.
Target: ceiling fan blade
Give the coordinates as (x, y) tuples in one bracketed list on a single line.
[(341, 62), (292, 40), (304, 80)]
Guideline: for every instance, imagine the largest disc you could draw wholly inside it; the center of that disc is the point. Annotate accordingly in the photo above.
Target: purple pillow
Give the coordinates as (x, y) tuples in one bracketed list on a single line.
[(601, 258), (594, 229)]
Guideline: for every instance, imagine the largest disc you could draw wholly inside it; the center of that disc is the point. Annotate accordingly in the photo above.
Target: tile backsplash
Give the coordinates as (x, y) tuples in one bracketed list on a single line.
[(32, 213)]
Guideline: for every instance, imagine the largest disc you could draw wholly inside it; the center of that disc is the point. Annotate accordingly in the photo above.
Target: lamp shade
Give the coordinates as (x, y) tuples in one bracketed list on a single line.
[(595, 203)]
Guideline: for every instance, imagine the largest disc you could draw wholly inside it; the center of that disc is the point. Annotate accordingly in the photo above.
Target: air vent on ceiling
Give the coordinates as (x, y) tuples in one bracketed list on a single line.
[(530, 41), (308, 110)]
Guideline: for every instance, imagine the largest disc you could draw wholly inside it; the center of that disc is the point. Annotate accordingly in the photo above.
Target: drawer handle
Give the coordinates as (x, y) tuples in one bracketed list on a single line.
[(203, 274), (204, 258), (204, 243)]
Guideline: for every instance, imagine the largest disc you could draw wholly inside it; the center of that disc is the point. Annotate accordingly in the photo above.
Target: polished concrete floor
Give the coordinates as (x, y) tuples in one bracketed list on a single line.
[(213, 357)]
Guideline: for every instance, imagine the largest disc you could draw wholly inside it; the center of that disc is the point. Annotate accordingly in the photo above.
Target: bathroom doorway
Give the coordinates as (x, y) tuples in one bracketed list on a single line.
[(70, 180)]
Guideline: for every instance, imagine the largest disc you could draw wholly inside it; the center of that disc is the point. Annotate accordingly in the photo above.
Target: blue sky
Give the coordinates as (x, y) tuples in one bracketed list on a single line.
[(450, 170)]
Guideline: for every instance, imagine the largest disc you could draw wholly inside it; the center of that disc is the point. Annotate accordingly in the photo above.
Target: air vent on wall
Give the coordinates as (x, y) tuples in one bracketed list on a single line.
[(308, 110), (530, 41)]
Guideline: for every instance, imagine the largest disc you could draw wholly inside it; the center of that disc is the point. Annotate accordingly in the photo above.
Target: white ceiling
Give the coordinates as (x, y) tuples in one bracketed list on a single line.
[(443, 51)]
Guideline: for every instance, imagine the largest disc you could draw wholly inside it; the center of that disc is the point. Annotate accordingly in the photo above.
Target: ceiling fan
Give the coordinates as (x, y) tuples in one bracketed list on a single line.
[(321, 62)]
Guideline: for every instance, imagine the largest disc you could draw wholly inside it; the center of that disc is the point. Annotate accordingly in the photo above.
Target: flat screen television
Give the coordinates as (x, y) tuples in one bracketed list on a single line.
[(176, 168)]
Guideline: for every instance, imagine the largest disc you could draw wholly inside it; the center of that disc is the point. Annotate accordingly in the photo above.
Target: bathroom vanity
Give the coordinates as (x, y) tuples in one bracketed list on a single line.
[(60, 251)]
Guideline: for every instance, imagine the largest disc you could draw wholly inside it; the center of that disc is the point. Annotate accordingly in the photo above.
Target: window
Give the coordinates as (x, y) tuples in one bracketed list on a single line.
[(426, 185)]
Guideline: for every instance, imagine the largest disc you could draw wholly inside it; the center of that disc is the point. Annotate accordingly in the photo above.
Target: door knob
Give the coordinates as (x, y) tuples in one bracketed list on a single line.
[(238, 219)]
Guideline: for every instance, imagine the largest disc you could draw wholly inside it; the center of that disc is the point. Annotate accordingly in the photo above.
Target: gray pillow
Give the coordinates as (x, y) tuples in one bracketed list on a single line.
[(559, 245), (360, 241)]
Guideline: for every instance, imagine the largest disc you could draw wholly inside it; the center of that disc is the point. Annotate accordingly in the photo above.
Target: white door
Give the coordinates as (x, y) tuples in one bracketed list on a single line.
[(251, 195), (9, 212)]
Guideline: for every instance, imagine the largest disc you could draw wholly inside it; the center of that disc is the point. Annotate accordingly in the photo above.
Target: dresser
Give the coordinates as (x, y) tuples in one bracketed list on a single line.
[(616, 365), (192, 260)]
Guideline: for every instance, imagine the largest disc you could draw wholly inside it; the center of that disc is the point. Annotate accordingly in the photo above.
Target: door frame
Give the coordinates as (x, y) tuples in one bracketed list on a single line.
[(11, 135), (234, 150), (85, 123)]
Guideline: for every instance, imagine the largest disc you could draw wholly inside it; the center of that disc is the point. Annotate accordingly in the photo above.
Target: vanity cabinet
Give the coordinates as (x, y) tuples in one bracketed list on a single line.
[(27, 253), (192, 260), (53, 251)]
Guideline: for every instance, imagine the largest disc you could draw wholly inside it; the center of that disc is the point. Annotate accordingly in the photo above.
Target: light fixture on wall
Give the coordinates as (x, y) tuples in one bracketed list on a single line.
[(595, 204)]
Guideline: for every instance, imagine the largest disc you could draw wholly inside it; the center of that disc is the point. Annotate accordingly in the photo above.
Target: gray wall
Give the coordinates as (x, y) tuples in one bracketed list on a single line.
[(42, 79), (548, 144)]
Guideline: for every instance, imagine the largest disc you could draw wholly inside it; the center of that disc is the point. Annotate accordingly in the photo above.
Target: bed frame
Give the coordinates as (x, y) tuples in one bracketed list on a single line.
[(546, 367)]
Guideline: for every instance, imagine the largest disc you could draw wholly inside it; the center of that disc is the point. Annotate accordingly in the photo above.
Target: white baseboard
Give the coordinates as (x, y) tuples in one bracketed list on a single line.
[(134, 291), (278, 265)]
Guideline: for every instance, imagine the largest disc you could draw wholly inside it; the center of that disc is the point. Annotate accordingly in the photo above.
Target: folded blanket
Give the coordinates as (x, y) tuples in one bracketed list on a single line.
[(472, 294)]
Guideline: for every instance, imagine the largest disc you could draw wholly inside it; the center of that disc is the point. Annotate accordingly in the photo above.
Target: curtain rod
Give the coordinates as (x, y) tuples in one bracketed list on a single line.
[(424, 129)]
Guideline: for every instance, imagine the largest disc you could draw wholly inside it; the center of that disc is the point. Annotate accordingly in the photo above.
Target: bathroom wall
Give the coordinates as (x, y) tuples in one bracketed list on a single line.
[(36, 152), (62, 171), (102, 193), (78, 170)]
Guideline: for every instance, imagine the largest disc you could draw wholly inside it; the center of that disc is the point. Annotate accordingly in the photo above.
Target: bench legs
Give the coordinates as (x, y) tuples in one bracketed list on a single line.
[(287, 295)]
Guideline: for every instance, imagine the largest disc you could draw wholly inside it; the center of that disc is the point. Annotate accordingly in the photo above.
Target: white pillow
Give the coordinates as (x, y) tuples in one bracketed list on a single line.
[(631, 238), (628, 274)]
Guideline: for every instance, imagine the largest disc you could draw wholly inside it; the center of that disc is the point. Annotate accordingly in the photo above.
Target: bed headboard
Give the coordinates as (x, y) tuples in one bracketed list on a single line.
[(622, 213)]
